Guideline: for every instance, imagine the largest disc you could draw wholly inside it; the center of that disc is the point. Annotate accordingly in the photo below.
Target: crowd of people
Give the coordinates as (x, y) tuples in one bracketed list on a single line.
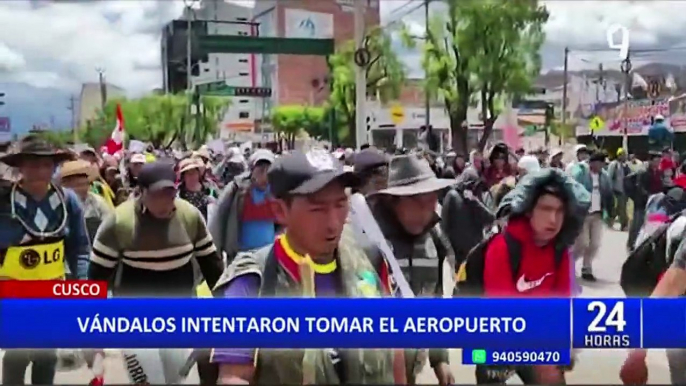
[(254, 224)]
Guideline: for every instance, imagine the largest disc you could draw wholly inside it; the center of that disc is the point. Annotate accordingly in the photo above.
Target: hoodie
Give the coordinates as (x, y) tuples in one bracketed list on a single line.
[(539, 275)]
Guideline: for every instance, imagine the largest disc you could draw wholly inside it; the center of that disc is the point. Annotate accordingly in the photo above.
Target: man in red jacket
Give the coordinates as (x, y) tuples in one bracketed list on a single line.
[(541, 272), (543, 269)]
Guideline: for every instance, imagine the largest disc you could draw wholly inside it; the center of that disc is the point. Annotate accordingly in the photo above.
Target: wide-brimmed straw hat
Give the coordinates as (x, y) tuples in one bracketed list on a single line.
[(76, 168), (34, 146), (189, 164), (409, 175)]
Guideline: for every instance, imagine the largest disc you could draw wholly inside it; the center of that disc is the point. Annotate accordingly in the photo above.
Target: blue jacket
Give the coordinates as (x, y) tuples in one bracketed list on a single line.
[(660, 136)]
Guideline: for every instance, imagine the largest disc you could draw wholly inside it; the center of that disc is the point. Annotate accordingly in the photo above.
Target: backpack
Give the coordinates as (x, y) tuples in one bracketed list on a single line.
[(125, 228), (470, 277), (631, 185), (646, 263)]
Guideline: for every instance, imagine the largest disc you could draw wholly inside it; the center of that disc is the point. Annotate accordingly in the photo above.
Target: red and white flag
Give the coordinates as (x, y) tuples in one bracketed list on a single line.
[(116, 141)]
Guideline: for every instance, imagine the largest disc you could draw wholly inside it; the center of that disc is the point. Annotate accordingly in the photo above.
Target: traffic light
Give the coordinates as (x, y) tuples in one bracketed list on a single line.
[(259, 92), (369, 123)]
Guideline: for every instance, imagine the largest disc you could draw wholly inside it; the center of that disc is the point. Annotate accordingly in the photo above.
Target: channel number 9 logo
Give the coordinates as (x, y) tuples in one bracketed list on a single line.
[(623, 44), (603, 319)]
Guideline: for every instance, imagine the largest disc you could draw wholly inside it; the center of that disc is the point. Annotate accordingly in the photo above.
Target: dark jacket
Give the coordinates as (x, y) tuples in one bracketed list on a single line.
[(645, 187), (429, 245), (463, 221)]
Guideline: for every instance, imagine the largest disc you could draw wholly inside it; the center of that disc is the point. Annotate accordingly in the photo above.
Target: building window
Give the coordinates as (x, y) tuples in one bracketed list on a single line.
[(244, 101), (243, 74), (241, 33), (242, 60), (243, 114)]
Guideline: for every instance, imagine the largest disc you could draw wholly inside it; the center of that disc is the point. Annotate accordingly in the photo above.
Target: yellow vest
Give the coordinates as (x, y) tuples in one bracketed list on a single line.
[(105, 191), (34, 262)]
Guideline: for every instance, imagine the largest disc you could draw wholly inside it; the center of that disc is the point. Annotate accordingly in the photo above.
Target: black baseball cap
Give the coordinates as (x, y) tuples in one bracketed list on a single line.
[(157, 175), (301, 173), (369, 159)]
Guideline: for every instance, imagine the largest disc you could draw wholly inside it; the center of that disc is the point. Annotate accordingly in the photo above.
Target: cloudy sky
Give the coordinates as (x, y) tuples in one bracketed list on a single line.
[(48, 48)]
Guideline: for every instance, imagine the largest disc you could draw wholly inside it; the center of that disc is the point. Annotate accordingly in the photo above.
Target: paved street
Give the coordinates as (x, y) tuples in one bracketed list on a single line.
[(594, 367)]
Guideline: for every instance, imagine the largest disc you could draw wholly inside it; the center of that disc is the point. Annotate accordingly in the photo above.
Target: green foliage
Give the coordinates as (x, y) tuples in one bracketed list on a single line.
[(385, 78), (567, 130), (290, 120), (159, 120), (481, 50), (58, 138)]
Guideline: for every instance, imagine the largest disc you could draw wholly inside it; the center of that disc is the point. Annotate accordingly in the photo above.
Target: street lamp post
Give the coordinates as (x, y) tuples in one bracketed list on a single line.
[(189, 25), (626, 70)]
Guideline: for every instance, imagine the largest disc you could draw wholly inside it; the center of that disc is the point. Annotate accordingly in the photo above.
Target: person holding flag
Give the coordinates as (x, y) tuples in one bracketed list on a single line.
[(115, 143)]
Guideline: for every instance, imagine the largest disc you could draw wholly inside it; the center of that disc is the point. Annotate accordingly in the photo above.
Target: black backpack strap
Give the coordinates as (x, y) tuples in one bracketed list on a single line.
[(442, 251), (270, 275), (514, 249)]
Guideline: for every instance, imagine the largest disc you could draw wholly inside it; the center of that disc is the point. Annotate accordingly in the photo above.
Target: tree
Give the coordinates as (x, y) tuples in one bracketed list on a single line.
[(480, 51), (385, 76), (566, 130), (207, 120), (58, 138), (290, 120), (160, 120)]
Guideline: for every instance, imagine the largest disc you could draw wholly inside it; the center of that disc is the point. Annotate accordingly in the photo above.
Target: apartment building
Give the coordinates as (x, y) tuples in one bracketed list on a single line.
[(213, 17), (303, 79)]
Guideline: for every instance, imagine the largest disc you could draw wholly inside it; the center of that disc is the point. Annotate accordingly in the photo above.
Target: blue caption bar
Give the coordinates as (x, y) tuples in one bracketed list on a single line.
[(516, 357), (286, 323), (664, 323), (607, 323)]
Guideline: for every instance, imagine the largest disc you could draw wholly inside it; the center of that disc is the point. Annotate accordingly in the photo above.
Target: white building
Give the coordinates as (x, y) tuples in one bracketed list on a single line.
[(90, 101), (224, 18)]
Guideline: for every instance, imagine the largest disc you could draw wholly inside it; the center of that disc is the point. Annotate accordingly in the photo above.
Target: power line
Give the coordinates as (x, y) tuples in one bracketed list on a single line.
[(401, 7), (399, 18), (633, 51)]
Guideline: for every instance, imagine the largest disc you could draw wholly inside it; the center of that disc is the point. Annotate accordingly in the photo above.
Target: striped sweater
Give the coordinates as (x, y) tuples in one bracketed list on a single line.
[(154, 255)]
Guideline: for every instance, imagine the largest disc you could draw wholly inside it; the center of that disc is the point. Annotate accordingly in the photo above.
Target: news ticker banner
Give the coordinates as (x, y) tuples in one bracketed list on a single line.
[(286, 323), (78, 315)]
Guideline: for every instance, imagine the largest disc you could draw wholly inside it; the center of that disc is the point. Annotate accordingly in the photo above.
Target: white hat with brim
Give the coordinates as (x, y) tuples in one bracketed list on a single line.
[(138, 159)]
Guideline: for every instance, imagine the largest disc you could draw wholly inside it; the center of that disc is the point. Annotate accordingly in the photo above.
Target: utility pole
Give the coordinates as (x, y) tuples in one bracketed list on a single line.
[(360, 78), (626, 69), (103, 87), (72, 110), (601, 80), (564, 91), (189, 41), (427, 99)]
